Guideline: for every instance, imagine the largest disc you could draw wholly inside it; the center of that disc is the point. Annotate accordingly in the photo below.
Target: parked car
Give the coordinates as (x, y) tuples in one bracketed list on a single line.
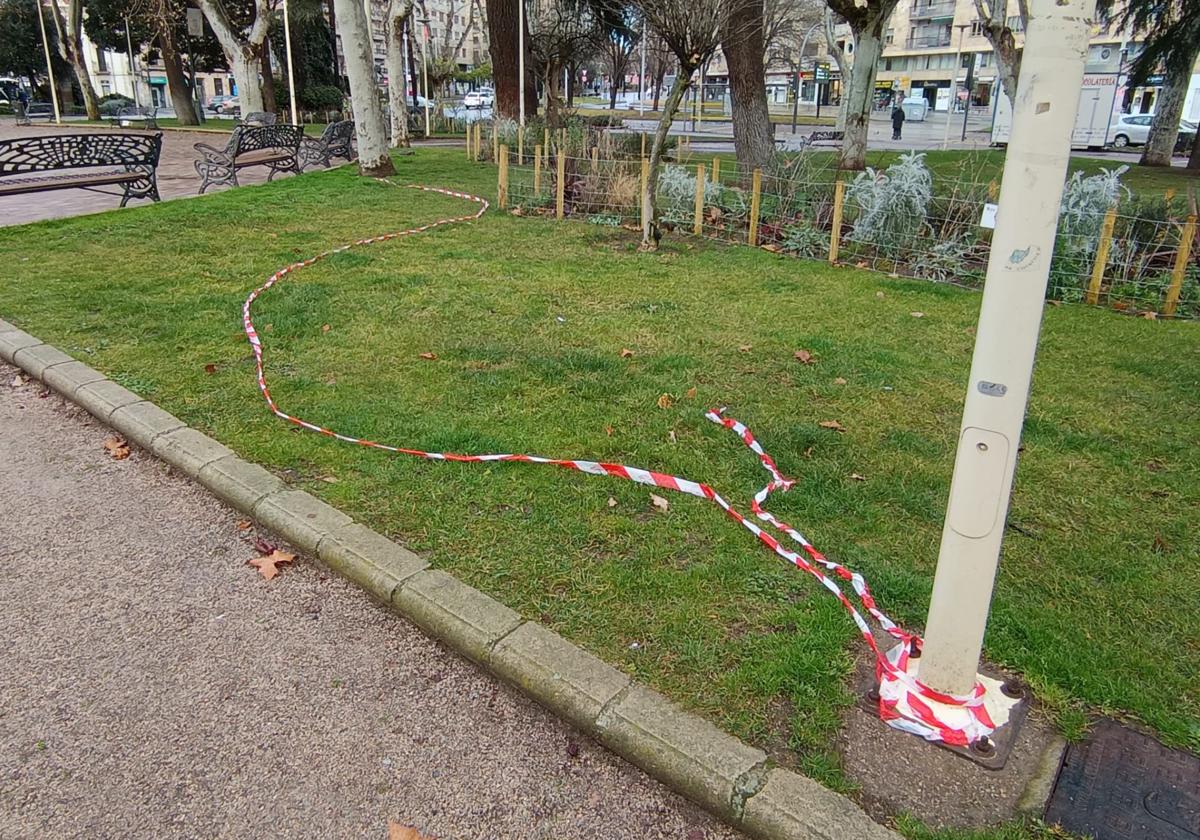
[(1134, 130), (484, 97), (217, 102)]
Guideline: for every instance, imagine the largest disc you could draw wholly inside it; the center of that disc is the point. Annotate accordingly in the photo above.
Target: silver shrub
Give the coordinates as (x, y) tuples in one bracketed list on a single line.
[(892, 204)]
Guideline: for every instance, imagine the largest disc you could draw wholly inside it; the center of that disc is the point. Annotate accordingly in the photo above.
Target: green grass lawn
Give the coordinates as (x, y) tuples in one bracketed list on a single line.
[(1100, 582)]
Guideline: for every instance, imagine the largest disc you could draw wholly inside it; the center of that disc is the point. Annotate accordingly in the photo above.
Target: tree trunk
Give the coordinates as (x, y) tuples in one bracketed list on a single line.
[(1194, 157), (181, 93), (650, 231), (658, 83), (1164, 130), (550, 83), (268, 76), (612, 94), (333, 45), (742, 43), (502, 37), (246, 73), (856, 105), (373, 158), (241, 52), (70, 49), (393, 34), (410, 48)]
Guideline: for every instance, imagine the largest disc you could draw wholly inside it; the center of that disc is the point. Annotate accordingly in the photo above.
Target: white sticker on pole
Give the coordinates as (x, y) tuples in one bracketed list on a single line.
[(195, 23), (988, 219)]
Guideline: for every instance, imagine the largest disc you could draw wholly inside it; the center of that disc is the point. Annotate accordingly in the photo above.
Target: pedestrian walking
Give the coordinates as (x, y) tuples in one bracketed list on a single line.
[(897, 120)]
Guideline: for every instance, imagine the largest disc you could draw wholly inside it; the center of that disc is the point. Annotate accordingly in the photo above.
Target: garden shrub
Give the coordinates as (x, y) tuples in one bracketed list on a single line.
[(892, 205)]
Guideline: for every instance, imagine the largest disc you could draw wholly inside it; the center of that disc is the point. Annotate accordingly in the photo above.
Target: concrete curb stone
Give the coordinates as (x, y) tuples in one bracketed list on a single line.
[(685, 752), (461, 616), (239, 483), (688, 753), (369, 559), (141, 422), (189, 450), (104, 397), (69, 377), (13, 340), (789, 805), (38, 358), (564, 678), (300, 518)]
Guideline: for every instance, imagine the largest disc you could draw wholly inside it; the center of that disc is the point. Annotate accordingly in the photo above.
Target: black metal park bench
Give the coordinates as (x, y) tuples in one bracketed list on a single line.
[(274, 146), (133, 116), (336, 141), (99, 162), (831, 139)]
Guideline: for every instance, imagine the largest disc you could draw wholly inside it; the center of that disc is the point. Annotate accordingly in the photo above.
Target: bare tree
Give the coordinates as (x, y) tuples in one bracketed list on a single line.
[(867, 19), (994, 24), (394, 22), (785, 23), (692, 30), (359, 51), (559, 30), (745, 55), (70, 48), (443, 52), (617, 37), (659, 62), (243, 47)]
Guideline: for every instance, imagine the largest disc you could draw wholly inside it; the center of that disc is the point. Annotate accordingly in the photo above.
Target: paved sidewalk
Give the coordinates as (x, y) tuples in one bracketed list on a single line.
[(155, 686)]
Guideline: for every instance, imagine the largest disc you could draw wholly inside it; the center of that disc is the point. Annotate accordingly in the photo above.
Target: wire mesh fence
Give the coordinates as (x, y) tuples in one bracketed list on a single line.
[(1131, 253)]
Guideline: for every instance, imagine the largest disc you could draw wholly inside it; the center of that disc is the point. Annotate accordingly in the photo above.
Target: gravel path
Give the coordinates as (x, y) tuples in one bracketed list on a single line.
[(155, 687)]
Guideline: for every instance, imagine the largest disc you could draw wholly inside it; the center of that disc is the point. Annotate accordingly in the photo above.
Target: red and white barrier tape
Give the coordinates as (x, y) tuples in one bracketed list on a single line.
[(904, 703)]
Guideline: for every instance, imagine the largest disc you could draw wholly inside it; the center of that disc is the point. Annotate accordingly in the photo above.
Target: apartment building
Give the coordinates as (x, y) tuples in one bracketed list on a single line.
[(445, 30), (930, 45)]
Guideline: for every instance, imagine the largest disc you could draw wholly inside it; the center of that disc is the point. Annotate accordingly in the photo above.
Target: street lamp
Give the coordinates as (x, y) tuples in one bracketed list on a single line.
[(425, 69), (799, 72), (954, 83), (132, 71), (287, 40), (642, 74), (49, 64), (521, 60)]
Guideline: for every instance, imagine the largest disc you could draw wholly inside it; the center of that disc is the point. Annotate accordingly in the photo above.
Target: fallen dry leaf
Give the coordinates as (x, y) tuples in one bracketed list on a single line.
[(626, 353), (671, 436), (263, 546), (1160, 545), (608, 430), (745, 348), (691, 392), (329, 479), (879, 295), (1120, 306), (210, 368), (808, 452), (267, 565), (429, 356), (17, 381), (917, 314), (665, 401), (857, 477), (804, 356), (839, 381), (772, 247), (660, 503), (404, 832), (117, 448), (244, 524), (326, 328), (1054, 302), (861, 264), (612, 502), (1150, 316), (517, 211), (832, 424)]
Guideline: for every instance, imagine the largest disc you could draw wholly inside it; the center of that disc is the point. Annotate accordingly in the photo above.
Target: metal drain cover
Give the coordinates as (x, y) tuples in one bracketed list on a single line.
[(1122, 785)]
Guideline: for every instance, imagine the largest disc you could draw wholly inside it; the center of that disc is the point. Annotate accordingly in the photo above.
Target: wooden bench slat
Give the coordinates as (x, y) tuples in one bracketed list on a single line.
[(19, 186)]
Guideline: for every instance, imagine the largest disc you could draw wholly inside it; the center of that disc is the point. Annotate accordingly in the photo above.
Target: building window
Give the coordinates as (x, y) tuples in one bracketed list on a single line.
[(887, 65), (101, 61), (1016, 23), (976, 27), (105, 88), (889, 36), (218, 87)]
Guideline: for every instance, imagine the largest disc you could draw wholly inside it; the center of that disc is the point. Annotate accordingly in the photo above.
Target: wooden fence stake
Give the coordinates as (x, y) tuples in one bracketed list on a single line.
[(755, 204), (561, 187), (595, 158), (835, 236), (642, 190), (537, 170), (1106, 232), (716, 176), (698, 222), (546, 145), (502, 192), (643, 144), (562, 138), (1181, 262), (478, 141), (468, 140), (495, 145)]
